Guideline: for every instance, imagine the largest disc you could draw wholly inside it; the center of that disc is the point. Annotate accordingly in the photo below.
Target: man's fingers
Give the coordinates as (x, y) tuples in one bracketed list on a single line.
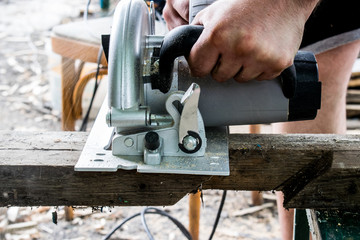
[(172, 17), (203, 57), (248, 73), (226, 68), (182, 8), (268, 76)]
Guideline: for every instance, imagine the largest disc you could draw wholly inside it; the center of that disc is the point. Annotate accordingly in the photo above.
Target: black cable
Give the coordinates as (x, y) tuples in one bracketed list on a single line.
[(163, 213), (143, 220), (218, 214), (96, 85), (120, 225), (151, 210), (86, 118)]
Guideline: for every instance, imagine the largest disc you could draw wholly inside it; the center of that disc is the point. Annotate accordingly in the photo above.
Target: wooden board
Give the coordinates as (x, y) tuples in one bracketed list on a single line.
[(314, 171), (352, 110), (73, 49), (353, 103), (355, 79), (353, 96)]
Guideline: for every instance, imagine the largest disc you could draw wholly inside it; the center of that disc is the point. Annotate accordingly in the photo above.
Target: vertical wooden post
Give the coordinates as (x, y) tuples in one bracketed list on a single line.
[(255, 128), (68, 82), (69, 214), (256, 196), (194, 214)]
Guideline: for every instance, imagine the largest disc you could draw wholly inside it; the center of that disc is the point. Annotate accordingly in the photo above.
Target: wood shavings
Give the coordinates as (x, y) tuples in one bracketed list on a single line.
[(12, 62), (252, 209)]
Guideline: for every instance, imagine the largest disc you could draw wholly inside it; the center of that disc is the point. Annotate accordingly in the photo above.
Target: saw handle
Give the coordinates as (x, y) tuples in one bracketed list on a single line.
[(179, 41)]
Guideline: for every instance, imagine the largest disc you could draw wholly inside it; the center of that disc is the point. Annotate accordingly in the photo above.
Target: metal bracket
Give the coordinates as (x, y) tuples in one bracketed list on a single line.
[(94, 158)]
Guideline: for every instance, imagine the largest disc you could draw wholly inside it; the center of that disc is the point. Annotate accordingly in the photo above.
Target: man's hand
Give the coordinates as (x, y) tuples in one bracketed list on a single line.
[(245, 39), (176, 13)]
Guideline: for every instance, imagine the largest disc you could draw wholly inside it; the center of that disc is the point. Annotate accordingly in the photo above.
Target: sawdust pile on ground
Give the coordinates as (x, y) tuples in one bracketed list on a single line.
[(25, 103)]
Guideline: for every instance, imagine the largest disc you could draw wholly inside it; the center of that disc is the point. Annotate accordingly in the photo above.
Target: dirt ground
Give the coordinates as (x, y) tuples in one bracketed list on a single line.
[(26, 105)]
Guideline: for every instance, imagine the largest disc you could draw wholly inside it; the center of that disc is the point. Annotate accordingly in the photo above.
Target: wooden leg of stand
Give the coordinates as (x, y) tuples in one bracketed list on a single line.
[(256, 197), (194, 214), (69, 214), (255, 128), (68, 82)]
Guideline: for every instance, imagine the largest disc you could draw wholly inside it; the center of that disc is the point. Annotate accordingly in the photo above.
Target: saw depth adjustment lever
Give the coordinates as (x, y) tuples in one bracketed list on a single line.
[(189, 138), (188, 125)]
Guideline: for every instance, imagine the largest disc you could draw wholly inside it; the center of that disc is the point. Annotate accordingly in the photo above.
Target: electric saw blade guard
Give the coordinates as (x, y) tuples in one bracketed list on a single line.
[(163, 120)]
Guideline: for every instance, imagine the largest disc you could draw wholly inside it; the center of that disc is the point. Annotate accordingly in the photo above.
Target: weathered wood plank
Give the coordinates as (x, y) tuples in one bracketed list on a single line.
[(352, 110), (319, 171), (353, 96)]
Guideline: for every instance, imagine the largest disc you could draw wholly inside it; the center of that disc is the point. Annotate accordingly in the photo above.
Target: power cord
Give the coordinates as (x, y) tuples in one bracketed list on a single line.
[(218, 214), (152, 210), (163, 213), (97, 82)]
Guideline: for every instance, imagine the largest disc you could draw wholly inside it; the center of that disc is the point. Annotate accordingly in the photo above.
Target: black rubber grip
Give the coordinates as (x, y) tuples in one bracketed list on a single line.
[(179, 42), (307, 99), (288, 81)]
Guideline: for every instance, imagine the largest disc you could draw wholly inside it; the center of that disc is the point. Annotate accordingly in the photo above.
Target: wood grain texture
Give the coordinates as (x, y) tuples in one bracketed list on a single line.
[(73, 49), (353, 96), (314, 171), (69, 79)]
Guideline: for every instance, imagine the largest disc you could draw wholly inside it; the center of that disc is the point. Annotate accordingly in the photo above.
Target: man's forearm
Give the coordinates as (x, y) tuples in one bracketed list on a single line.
[(306, 7)]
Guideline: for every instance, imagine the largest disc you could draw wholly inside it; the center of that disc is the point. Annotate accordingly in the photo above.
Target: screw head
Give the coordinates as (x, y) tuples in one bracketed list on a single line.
[(190, 143), (129, 142)]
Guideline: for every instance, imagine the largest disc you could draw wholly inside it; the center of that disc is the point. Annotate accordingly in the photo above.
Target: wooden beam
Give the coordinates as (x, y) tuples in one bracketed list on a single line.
[(313, 171), (353, 96), (352, 110)]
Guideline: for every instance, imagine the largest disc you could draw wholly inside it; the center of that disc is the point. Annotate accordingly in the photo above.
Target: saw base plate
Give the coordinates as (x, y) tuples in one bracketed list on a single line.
[(94, 158)]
